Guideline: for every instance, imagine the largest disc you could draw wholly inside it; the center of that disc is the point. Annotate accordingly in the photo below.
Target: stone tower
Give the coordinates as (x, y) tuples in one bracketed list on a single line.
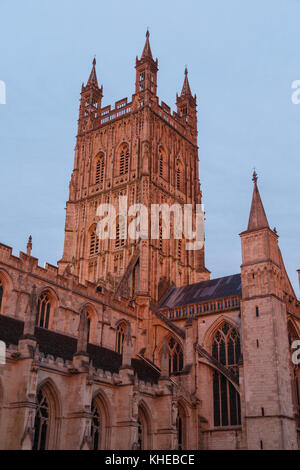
[(267, 396), (138, 150)]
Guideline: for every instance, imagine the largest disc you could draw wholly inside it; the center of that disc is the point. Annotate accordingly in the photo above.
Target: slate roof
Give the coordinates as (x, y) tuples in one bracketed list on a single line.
[(64, 346), (202, 291)]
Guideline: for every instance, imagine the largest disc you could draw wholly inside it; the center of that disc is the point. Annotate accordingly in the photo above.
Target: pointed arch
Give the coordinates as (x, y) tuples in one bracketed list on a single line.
[(145, 429), (226, 349), (92, 318), (121, 329), (94, 242), (101, 421), (122, 166), (47, 416), (211, 331), (46, 307), (175, 349)]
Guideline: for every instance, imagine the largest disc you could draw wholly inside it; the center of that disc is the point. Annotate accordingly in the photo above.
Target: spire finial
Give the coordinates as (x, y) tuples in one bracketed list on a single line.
[(254, 177), (185, 70), (94, 61), (147, 32)]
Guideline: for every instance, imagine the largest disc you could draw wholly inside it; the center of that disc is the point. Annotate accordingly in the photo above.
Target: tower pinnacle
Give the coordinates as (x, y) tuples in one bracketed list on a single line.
[(186, 90), (147, 49), (93, 76)]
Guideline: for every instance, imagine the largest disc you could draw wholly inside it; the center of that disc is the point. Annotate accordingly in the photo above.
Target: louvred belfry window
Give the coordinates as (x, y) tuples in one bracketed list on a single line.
[(178, 177), (99, 174), (94, 243), (226, 349), (124, 160)]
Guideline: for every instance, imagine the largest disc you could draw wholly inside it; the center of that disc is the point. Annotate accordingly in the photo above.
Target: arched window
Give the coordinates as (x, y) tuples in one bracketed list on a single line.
[(43, 311), (41, 422), (1, 293), (226, 349), (175, 356), (99, 169), (144, 429), (121, 330), (124, 159), (94, 242), (95, 426)]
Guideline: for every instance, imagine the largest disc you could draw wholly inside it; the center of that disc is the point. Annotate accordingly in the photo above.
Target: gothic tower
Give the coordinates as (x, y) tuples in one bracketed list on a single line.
[(137, 150), (267, 394)]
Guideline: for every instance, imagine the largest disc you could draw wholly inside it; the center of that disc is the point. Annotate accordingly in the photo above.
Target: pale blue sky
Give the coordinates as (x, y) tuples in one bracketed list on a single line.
[(242, 58)]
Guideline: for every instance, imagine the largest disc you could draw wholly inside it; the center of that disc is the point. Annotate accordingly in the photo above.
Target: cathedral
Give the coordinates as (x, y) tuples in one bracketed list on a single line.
[(128, 343)]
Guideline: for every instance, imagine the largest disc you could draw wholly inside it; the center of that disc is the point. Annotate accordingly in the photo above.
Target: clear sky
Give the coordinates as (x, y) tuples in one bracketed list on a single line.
[(242, 57)]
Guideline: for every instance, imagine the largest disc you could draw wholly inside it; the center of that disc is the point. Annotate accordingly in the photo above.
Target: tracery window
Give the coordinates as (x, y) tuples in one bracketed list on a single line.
[(175, 356), (43, 311), (1, 293), (124, 159), (121, 330), (95, 426), (99, 171), (41, 422), (226, 349)]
